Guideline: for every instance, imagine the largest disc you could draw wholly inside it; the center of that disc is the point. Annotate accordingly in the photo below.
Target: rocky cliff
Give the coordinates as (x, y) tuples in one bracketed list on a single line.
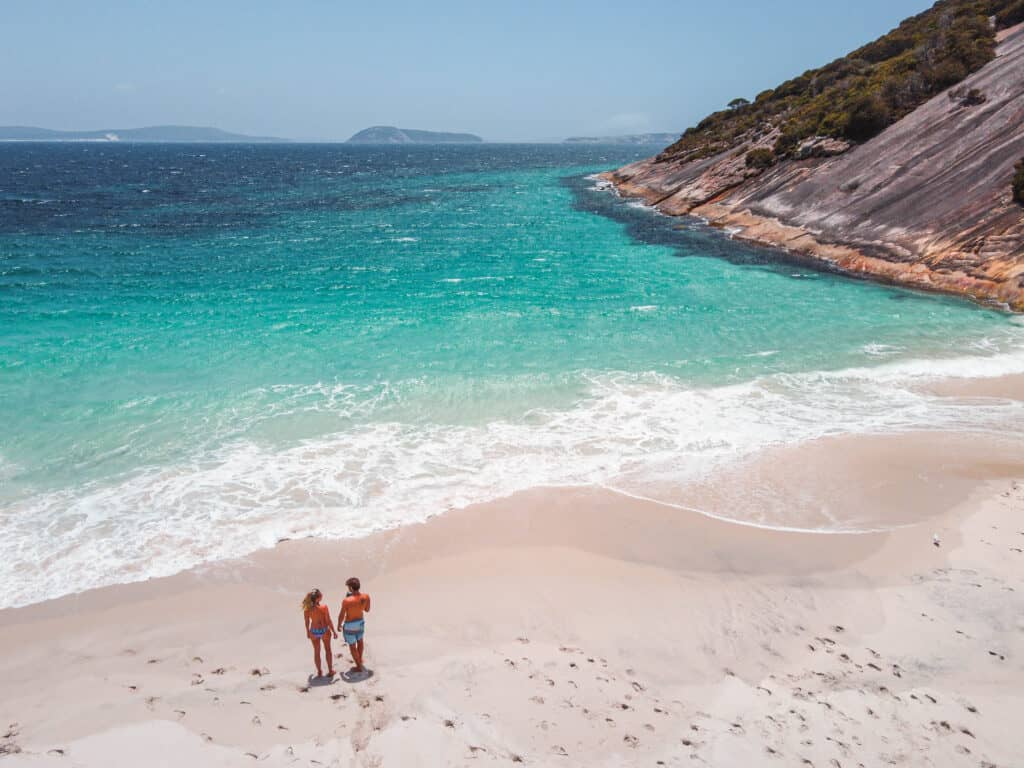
[(926, 203)]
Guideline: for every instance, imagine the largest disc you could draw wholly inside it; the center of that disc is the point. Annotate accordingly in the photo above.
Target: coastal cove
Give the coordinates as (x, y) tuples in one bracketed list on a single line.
[(368, 337), (926, 203), (419, 386)]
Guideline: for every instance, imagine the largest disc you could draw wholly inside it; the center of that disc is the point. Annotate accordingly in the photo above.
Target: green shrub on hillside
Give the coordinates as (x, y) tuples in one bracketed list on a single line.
[(1018, 182), (865, 117), (760, 158), (857, 96)]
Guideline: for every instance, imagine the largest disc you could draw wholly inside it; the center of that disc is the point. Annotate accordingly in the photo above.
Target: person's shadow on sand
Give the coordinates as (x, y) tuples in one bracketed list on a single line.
[(351, 676), (318, 681)]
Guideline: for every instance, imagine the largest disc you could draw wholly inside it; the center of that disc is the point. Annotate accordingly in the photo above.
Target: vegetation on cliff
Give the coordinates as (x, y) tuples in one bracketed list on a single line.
[(1018, 182), (856, 97), (760, 158)]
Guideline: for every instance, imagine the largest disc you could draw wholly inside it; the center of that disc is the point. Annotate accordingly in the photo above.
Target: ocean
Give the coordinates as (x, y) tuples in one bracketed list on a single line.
[(206, 349)]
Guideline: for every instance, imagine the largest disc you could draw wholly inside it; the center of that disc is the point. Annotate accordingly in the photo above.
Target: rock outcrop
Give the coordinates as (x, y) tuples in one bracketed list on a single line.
[(926, 203)]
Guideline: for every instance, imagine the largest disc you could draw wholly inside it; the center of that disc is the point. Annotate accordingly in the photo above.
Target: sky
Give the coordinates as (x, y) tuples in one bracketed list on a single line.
[(324, 69)]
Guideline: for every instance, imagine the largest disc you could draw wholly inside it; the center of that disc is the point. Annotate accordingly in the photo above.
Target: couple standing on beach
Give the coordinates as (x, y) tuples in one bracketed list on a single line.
[(351, 623)]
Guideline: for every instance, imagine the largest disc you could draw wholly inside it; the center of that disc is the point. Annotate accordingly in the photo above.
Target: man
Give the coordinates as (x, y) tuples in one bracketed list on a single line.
[(350, 620)]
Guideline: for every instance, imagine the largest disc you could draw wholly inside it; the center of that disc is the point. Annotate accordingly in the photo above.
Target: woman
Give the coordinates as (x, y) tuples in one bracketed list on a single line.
[(317, 620)]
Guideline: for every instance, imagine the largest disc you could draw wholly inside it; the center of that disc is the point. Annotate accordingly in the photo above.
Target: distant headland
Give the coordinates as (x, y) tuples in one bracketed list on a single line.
[(156, 133), (656, 139), (902, 161), (388, 134)]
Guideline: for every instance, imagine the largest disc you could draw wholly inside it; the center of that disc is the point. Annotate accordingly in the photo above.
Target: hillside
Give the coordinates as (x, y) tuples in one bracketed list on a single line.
[(924, 201), (387, 134), (157, 133)]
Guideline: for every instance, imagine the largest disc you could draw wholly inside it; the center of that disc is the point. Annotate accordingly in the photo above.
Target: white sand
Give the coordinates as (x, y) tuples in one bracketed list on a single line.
[(567, 628)]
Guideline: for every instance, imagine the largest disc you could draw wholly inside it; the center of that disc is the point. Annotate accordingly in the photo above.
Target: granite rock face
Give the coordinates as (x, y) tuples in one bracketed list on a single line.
[(926, 203)]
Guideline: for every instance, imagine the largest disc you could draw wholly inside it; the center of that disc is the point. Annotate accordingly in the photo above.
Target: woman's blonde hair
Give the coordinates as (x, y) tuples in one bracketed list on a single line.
[(310, 600)]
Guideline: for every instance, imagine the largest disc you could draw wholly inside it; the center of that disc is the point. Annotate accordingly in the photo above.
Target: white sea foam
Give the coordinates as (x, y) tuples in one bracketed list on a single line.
[(644, 308), (881, 350), (630, 432)]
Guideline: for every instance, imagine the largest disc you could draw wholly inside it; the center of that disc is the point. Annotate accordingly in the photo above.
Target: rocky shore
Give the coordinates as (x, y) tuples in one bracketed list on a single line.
[(925, 204)]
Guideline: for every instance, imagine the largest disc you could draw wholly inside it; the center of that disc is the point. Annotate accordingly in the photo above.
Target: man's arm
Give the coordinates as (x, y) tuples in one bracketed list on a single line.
[(341, 615), (366, 604)]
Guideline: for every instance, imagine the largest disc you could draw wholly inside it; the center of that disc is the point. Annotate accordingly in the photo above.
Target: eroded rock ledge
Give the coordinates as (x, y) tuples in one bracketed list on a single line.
[(925, 204)]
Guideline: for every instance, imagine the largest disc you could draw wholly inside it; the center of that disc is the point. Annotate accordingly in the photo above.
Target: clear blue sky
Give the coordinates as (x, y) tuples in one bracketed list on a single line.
[(323, 69)]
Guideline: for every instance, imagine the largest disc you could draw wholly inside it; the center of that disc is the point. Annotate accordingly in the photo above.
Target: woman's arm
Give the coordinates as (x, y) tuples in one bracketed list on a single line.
[(306, 618)]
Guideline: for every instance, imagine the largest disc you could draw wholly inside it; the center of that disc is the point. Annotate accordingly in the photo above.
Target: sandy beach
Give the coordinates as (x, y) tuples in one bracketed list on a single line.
[(573, 627)]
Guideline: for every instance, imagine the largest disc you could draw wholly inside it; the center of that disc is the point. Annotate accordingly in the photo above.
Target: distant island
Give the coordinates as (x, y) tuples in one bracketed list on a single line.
[(155, 133), (657, 139), (388, 134)]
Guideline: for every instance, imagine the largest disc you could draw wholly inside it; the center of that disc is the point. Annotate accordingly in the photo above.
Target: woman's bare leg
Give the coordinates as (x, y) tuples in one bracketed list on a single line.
[(316, 655), (328, 655)]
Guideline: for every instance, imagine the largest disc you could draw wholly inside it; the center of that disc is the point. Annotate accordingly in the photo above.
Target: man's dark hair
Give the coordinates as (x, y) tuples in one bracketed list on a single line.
[(353, 584)]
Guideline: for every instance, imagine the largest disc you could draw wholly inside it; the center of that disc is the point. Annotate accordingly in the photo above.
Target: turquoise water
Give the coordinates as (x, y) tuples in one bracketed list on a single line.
[(205, 349)]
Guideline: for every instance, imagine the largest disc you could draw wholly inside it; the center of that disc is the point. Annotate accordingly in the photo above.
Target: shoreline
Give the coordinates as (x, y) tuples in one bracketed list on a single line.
[(810, 249), (701, 494), (495, 635), (926, 203)]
